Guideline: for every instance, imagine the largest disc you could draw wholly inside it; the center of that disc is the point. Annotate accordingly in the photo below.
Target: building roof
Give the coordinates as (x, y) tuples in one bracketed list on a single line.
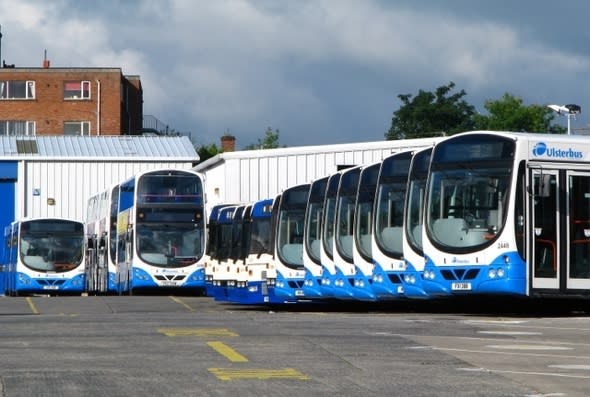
[(99, 148), (394, 145)]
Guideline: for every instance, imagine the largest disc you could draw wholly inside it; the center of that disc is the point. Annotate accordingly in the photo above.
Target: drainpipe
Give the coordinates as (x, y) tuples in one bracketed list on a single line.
[(97, 107)]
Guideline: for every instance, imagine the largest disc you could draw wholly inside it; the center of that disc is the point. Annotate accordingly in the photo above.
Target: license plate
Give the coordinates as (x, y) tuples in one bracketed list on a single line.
[(168, 283), (461, 286), (299, 292), (52, 287)]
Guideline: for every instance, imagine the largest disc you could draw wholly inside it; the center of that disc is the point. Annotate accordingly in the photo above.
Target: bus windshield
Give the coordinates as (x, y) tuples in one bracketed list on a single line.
[(260, 236), (466, 206), (173, 188), (52, 245), (168, 238), (390, 216)]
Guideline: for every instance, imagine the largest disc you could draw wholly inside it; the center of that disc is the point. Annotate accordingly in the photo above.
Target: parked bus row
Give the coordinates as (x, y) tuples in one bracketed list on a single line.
[(145, 233), (479, 213), (484, 213)]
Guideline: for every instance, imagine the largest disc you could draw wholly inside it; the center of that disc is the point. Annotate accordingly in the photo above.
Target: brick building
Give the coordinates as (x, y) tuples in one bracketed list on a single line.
[(69, 101)]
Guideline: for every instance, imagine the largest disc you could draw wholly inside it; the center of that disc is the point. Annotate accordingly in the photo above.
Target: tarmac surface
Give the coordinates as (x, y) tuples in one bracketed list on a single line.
[(194, 346)]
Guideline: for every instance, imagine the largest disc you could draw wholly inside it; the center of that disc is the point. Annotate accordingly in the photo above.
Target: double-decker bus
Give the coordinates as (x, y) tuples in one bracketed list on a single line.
[(413, 251), (388, 212), (288, 243), (312, 259), (508, 213), (255, 280), (44, 255), (161, 233), (101, 239)]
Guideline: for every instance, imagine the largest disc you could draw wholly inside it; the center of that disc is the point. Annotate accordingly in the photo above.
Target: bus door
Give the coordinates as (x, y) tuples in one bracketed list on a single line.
[(560, 235)]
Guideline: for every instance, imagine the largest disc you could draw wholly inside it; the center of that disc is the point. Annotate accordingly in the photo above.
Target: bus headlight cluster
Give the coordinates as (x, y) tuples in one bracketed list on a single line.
[(280, 284), (429, 275), (308, 283), (271, 281), (326, 281), (24, 279), (410, 278), (499, 273), (359, 283), (378, 278), (339, 283), (231, 283), (208, 278), (242, 284)]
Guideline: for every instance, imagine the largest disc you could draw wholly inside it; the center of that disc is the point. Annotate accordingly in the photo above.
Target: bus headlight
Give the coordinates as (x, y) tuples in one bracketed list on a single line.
[(501, 272), (492, 273), (429, 274)]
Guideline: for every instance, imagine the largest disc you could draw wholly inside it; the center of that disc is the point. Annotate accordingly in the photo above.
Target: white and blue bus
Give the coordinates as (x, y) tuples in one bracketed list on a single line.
[(387, 237), (328, 279), (232, 262), (255, 280), (161, 233), (413, 251), (44, 255), (508, 213), (288, 243), (213, 234), (362, 247), (312, 250), (343, 280), (220, 249), (101, 238)]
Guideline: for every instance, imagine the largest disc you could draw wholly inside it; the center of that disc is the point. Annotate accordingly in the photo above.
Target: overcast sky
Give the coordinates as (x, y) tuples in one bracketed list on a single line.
[(320, 71)]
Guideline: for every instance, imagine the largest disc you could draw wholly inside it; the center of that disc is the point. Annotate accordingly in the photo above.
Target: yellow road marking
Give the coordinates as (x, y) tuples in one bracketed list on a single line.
[(227, 352), (261, 374), (201, 332), (32, 305), (180, 302)]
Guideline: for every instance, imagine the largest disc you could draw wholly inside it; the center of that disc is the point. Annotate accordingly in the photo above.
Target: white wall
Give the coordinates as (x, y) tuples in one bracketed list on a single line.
[(253, 175), (70, 184)]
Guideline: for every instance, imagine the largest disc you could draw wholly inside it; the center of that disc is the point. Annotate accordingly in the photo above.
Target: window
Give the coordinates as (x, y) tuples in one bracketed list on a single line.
[(77, 90), (17, 127), (77, 128), (17, 89)]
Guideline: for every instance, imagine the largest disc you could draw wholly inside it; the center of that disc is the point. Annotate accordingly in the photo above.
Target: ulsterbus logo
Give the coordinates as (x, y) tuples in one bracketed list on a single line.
[(541, 149)]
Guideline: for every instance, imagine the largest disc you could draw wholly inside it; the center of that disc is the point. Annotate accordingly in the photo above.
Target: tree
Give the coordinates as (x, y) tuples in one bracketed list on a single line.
[(509, 114), (431, 114), (270, 140), (206, 152)]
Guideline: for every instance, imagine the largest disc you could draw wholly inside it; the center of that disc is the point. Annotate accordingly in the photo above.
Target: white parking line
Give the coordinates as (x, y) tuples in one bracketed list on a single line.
[(529, 347), (499, 371), (514, 333), (571, 366)]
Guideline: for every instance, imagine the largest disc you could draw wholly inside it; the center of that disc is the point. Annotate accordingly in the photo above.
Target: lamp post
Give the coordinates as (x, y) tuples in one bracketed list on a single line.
[(569, 110)]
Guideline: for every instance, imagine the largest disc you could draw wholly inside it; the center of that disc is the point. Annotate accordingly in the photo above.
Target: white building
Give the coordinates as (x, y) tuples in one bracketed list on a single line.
[(47, 176), (250, 175)]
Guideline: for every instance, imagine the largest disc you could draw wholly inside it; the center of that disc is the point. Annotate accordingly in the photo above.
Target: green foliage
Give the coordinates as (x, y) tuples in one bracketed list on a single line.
[(510, 114), (270, 140), (206, 152), (431, 114)]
